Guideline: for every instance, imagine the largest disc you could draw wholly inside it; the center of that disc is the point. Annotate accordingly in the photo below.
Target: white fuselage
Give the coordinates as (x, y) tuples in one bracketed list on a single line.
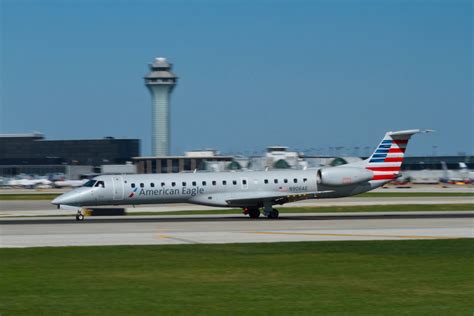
[(228, 189)]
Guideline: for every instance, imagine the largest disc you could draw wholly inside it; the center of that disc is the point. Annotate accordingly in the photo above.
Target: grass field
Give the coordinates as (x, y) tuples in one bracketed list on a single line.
[(422, 277), (51, 196)]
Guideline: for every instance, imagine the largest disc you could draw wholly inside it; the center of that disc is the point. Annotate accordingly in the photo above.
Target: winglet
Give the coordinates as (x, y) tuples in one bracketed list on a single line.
[(410, 132)]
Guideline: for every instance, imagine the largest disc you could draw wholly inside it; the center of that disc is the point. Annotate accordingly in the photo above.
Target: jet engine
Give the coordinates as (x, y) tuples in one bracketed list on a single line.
[(340, 176)]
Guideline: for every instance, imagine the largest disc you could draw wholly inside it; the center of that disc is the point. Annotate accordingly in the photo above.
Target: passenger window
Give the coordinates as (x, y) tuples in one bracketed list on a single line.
[(162, 184), (275, 180), (295, 180), (285, 180), (173, 184), (244, 181), (133, 185), (194, 183), (142, 185), (304, 179), (214, 182), (265, 181), (204, 183), (152, 185), (224, 182), (184, 184), (234, 182)]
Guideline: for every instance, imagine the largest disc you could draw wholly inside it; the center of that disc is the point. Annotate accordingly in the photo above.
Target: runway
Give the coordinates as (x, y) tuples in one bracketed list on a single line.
[(195, 229), (38, 207)]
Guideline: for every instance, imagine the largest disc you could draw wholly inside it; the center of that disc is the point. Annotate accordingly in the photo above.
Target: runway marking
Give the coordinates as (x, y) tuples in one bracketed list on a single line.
[(352, 235), (188, 241)]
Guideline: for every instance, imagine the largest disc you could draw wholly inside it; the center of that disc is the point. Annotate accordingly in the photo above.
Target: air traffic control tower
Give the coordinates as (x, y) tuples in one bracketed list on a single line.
[(160, 81)]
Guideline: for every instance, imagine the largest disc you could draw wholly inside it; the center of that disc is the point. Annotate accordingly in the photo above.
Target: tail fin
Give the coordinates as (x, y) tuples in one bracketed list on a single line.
[(387, 159)]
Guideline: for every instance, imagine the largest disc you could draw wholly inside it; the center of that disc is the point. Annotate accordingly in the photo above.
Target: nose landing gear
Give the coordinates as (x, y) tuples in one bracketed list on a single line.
[(79, 216)]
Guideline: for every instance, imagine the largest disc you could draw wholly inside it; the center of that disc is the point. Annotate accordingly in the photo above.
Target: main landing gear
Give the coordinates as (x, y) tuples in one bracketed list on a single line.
[(255, 213), (273, 213), (79, 216)]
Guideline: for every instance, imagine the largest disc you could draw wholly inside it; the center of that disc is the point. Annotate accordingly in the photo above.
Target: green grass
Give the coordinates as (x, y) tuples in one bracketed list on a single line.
[(422, 277), (331, 209), (50, 196)]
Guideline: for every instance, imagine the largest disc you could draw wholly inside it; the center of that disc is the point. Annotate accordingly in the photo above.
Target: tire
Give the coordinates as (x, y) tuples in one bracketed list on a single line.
[(79, 217), (274, 214), (254, 213)]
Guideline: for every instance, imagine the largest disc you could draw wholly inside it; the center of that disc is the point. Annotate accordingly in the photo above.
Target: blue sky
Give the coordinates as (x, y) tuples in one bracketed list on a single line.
[(306, 74)]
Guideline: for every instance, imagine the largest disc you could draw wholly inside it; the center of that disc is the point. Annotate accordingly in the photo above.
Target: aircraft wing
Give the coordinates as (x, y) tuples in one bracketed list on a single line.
[(257, 198)]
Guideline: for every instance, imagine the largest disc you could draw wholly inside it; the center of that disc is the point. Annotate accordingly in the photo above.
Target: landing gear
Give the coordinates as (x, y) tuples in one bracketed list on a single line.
[(79, 216), (269, 211), (254, 213), (273, 214)]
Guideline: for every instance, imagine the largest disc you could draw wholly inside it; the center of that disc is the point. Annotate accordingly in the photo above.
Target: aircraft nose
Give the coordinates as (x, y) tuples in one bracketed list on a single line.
[(62, 199), (72, 198), (57, 200)]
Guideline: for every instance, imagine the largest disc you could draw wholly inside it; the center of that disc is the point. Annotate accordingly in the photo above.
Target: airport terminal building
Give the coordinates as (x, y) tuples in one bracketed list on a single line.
[(33, 154)]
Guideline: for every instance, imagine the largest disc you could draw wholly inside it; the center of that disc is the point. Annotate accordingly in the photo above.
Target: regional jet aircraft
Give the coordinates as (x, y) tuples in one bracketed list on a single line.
[(250, 190)]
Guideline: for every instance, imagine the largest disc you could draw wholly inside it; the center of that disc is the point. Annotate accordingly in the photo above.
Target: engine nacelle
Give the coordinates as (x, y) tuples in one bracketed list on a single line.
[(339, 176)]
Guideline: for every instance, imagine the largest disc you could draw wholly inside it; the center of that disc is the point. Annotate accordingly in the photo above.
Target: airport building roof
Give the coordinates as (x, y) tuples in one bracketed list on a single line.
[(35, 135)]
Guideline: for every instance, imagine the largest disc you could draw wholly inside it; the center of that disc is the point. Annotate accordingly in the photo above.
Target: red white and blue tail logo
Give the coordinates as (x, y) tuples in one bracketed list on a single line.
[(387, 159)]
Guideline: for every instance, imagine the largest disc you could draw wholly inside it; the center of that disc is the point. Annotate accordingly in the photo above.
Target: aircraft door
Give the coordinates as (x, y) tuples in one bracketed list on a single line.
[(117, 187)]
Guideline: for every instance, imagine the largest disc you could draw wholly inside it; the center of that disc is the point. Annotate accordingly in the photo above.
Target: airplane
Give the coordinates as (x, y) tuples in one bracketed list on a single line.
[(461, 176), (249, 190), (69, 183), (30, 183)]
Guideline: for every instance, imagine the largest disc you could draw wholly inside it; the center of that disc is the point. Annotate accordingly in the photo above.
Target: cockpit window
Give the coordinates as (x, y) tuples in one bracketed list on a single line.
[(100, 184), (89, 183)]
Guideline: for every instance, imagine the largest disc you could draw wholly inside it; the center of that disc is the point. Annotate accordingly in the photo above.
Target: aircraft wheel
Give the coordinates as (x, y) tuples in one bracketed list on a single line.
[(274, 213), (79, 216), (254, 213)]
